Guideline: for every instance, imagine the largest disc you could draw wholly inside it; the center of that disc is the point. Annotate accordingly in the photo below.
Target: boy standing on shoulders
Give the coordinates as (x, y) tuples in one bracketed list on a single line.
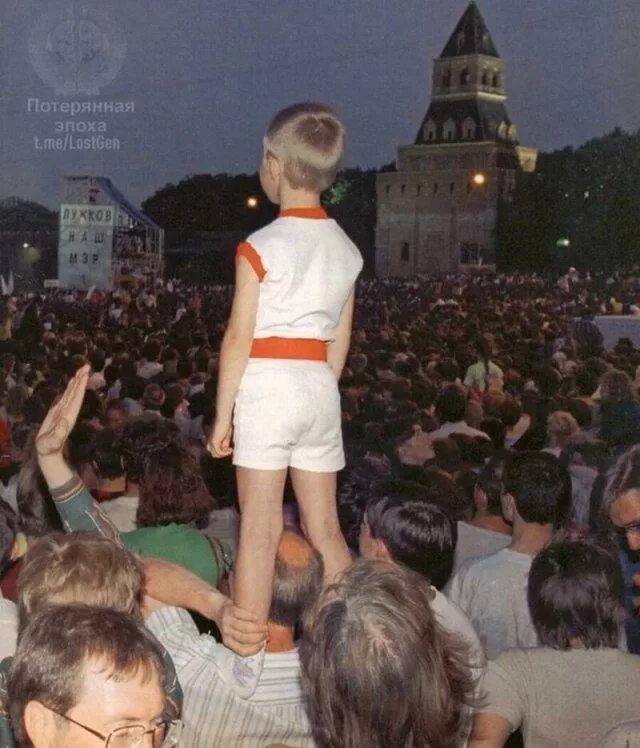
[(283, 352)]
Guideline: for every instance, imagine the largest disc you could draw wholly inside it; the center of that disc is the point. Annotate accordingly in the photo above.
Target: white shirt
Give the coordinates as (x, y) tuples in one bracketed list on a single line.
[(492, 591), (149, 369), (460, 427), (474, 542), (8, 628), (232, 701), (311, 267), (122, 512)]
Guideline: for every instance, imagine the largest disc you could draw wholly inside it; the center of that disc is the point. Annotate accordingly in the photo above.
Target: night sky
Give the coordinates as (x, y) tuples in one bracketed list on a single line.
[(206, 75)]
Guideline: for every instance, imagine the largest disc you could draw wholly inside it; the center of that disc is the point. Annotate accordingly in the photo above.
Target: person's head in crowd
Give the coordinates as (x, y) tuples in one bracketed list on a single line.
[(561, 426), (151, 351), (86, 676), (586, 382), (487, 495), (615, 387), (98, 360), (358, 363), (297, 581), (184, 369), (378, 669), (171, 488), (175, 402), (8, 534), (411, 532), (621, 505), (84, 568), (496, 430), (575, 595), (581, 411), (153, 398), (106, 456), (447, 371), (80, 447), (451, 405), (92, 409), (536, 490), (474, 450), (116, 415), (448, 455)]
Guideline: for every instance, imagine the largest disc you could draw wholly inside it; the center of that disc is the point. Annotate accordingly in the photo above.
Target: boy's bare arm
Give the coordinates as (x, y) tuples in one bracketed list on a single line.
[(234, 353), (338, 349)]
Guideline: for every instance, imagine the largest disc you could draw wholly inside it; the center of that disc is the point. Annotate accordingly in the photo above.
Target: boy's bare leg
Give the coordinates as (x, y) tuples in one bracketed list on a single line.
[(316, 494), (260, 497)]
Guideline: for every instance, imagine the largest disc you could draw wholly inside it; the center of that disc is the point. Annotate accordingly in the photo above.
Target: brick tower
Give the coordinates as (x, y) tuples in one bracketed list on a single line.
[(437, 212)]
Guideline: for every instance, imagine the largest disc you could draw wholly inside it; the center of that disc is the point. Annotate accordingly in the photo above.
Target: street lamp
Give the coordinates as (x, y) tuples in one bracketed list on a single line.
[(252, 202), (479, 179), (25, 245)]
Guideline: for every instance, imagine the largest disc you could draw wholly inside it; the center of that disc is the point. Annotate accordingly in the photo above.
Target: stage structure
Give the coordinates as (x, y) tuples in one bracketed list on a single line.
[(104, 240)]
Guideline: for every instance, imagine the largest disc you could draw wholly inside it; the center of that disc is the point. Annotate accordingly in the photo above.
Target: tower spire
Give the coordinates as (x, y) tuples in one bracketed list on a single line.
[(471, 36)]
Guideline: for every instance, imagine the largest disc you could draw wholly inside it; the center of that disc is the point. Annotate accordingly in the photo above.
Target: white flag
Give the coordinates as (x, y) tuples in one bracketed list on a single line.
[(3, 286), (10, 283), (90, 292)]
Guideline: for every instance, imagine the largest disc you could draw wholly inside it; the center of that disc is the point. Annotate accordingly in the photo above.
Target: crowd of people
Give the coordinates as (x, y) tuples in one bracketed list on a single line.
[(491, 495), (279, 532)]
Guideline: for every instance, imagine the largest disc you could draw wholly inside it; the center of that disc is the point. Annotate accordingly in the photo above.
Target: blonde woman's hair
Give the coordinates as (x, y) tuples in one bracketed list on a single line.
[(308, 139)]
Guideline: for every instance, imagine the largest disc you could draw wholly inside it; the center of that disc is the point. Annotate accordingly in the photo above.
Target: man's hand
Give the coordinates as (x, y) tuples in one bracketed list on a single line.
[(219, 444), (62, 416), (240, 630)]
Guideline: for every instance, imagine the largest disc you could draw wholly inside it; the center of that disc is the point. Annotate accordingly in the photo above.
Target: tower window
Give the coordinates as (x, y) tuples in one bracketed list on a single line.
[(387, 189), (404, 252), (435, 188), (464, 77), (485, 78), (402, 189), (446, 78), (496, 80), (418, 189), (452, 187), (430, 130), (469, 128), (449, 129)]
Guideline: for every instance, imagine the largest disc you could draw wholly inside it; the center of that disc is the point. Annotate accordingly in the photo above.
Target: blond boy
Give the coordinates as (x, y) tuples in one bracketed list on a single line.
[(284, 350)]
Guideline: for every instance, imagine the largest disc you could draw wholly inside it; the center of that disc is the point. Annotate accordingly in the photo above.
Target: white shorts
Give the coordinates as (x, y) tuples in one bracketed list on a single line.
[(287, 414)]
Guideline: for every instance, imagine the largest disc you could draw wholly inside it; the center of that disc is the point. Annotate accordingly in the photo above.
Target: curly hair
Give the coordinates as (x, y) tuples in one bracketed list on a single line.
[(172, 489)]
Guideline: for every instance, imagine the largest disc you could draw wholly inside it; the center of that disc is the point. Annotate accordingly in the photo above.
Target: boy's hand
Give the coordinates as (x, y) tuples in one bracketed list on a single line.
[(219, 444), (240, 630)]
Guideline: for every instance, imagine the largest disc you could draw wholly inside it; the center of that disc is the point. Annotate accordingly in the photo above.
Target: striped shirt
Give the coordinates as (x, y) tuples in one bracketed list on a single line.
[(232, 701)]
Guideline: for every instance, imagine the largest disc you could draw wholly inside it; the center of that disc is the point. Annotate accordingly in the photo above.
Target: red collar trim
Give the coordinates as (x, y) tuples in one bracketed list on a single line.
[(303, 213)]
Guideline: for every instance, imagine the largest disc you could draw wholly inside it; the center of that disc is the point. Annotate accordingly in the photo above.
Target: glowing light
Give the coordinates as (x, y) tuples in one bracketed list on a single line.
[(252, 202), (479, 179)]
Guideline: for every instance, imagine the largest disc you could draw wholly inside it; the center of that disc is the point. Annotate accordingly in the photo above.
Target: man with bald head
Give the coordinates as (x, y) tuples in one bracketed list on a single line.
[(250, 701)]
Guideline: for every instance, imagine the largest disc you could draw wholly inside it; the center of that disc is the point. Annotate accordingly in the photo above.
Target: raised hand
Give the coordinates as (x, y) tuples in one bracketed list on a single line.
[(62, 416)]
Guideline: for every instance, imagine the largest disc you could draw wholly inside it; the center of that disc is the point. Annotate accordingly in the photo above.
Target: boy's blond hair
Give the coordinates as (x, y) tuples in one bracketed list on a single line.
[(84, 568), (308, 139)]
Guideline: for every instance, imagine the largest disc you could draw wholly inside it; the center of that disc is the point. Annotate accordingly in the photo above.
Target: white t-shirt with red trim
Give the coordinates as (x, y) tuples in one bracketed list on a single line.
[(307, 266)]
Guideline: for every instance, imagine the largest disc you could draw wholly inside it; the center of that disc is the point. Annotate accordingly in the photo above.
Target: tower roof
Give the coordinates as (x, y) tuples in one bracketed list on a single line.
[(471, 36)]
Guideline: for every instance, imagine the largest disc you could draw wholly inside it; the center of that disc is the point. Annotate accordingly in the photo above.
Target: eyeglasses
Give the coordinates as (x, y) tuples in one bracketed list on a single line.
[(633, 528), (165, 734)]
